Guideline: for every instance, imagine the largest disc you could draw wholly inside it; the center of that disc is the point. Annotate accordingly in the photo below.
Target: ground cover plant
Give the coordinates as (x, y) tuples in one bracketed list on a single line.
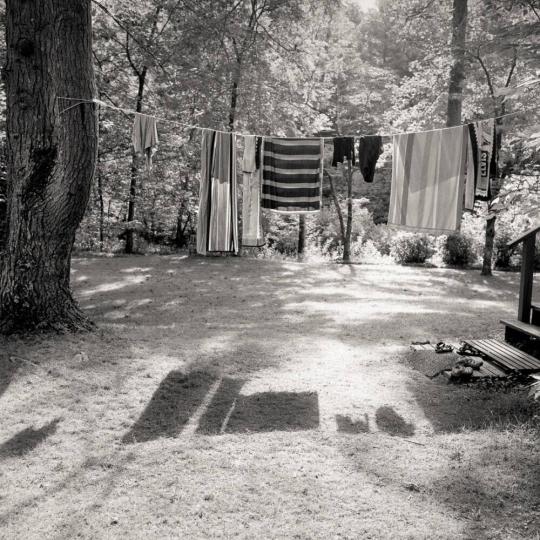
[(240, 397)]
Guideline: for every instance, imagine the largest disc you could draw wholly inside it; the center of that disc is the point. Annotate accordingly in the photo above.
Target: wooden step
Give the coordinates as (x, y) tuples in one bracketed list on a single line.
[(518, 328), (505, 356), (535, 314)]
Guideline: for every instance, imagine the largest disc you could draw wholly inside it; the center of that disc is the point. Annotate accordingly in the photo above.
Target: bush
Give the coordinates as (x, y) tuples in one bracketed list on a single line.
[(457, 250), (412, 248)]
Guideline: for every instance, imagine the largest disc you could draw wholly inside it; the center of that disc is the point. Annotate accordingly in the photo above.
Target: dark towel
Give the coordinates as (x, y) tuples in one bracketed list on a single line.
[(343, 150), (369, 150), (258, 153)]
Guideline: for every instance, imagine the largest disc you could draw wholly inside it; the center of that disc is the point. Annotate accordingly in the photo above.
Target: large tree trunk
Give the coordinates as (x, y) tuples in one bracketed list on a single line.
[(457, 71), (51, 159), (3, 198)]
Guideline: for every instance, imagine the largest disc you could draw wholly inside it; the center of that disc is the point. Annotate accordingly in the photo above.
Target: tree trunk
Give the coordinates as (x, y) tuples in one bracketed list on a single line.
[(130, 232), (51, 159), (101, 211), (348, 231), (338, 208), (3, 198), (488, 246), (457, 71), (301, 235), (234, 93)]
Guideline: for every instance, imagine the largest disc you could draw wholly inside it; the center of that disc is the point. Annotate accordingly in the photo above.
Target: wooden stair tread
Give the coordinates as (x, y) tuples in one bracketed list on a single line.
[(523, 327), (505, 355)]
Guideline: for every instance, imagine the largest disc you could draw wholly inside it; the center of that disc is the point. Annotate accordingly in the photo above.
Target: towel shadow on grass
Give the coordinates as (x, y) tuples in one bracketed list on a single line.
[(180, 395), (171, 406), (346, 424), (26, 440), (8, 368), (389, 421)]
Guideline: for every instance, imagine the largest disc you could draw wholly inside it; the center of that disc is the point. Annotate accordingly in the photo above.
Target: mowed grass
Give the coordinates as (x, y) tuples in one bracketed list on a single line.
[(228, 397)]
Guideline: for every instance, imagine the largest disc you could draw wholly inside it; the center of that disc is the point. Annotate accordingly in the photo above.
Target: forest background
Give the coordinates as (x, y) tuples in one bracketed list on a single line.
[(302, 68)]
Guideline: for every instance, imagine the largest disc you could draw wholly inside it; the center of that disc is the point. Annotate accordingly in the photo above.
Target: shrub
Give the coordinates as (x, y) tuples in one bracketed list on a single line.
[(412, 248), (457, 250)]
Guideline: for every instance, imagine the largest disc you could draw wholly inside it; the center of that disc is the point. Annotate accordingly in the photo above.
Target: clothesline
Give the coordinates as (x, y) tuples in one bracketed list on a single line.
[(192, 126)]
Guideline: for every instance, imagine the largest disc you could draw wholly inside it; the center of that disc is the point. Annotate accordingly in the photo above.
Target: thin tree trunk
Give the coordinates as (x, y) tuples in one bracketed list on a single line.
[(457, 71), (234, 95), (130, 232), (51, 160), (301, 235), (348, 231), (338, 207), (101, 211), (488, 246)]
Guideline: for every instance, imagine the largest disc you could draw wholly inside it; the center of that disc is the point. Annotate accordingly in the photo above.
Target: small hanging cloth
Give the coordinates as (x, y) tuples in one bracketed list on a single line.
[(427, 180), (217, 222), (369, 150), (292, 174), (252, 233), (483, 142), (145, 136), (343, 150)]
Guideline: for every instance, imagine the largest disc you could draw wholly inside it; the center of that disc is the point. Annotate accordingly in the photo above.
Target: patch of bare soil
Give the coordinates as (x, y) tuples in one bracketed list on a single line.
[(237, 397)]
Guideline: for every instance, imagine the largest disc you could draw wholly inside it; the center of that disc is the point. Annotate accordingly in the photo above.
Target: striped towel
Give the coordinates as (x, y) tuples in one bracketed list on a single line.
[(217, 222), (292, 174), (428, 179)]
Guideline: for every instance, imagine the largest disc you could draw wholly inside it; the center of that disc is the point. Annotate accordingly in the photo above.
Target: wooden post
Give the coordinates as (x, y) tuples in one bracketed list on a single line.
[(525, 287)]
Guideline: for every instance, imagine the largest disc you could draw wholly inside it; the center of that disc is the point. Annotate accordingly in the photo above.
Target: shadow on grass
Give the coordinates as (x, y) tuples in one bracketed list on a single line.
[(389, 421), (452, 408), (346, 424), (8, 368), (275, 411), (172, 405), (26, 440), (179, 396)]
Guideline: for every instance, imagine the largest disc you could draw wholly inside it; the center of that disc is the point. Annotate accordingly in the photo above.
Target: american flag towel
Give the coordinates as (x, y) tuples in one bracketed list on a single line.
[(292, 174)]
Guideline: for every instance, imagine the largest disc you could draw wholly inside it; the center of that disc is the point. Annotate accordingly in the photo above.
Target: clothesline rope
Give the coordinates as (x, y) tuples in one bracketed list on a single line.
[(192, 126)]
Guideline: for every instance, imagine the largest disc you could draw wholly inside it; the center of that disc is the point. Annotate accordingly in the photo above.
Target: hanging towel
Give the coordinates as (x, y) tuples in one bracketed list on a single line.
[(343, 150), (427, 180), (482, 139), (252, 233), (217, 223), (292, 174), (470, 176), (369, 150), (145, 136)]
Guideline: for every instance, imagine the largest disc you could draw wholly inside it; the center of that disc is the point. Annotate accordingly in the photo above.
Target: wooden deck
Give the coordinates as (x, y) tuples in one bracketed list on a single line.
[(504, 356)]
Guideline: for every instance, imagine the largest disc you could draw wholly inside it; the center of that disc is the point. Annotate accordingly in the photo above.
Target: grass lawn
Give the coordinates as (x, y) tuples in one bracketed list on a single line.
[(244, 398)]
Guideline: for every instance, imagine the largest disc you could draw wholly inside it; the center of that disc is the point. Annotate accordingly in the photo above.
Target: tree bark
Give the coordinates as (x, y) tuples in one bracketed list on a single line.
[(51, 159), (457, 71), (488, 246)]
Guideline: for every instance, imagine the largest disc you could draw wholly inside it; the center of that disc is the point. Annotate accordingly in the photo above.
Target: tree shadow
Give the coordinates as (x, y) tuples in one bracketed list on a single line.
[(8, 369), (389, 421), (27, 440), (346, 424), (172, 405)]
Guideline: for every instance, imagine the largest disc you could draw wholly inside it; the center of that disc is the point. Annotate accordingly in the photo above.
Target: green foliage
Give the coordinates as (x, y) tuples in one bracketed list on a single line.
[(457, 250), (412, 248)]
